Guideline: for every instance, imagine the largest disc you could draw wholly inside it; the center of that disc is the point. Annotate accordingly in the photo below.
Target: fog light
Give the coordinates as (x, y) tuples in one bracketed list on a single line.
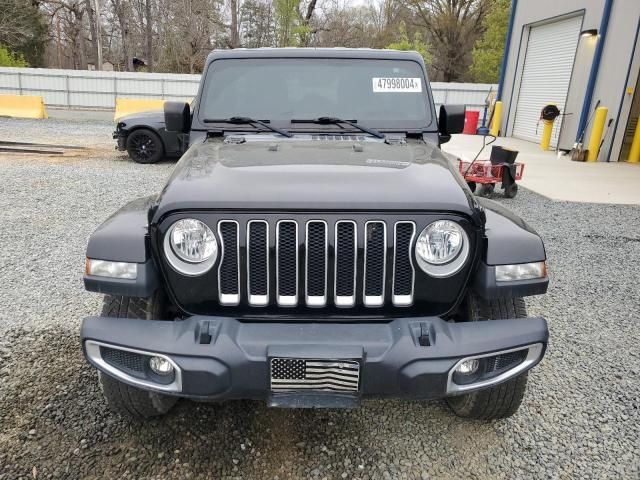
[(468, 367), (160, 365)]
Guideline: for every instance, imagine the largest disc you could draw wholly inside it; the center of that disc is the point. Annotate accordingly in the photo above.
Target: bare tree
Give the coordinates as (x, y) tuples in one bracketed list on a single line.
[(190, 30), (452, 27), (122, 11), (69, 15), (149, 34), (176, 35), (305, 27), (374, 25)]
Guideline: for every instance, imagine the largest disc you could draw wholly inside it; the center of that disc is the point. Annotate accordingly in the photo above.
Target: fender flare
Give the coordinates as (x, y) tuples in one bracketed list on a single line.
[(507, 240), (123, 237)]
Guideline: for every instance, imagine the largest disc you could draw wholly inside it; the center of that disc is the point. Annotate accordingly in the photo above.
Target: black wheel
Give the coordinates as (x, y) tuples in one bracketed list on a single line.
[(485, 189), (122, 398), (503, 400), (144, 146), (511, 191), (472, 186)]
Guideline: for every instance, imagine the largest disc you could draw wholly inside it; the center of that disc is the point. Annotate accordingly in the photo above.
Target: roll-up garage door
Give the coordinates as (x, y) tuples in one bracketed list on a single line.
[(546, 74)]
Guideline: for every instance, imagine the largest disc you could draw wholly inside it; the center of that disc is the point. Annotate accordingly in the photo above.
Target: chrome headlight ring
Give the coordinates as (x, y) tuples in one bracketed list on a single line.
[(183, 266), (450, 266)]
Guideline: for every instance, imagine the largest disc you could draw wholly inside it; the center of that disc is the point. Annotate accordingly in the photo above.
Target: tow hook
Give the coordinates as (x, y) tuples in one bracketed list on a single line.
[(204, 335), (424, 339)]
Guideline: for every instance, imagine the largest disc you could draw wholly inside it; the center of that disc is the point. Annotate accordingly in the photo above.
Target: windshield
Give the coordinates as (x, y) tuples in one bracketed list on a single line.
[(387, 94)]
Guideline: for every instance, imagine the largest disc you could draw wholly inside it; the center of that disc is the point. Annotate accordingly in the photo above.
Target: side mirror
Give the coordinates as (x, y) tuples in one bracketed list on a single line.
[(177, 117), (450, 121)]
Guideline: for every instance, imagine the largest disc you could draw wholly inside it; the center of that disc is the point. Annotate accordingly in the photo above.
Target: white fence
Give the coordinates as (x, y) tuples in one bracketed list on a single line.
[(95, 90), (98, 90), (472, 95)]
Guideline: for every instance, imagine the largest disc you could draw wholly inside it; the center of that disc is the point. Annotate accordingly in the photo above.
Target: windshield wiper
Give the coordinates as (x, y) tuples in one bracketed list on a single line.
[(337, 121), (248, 121)]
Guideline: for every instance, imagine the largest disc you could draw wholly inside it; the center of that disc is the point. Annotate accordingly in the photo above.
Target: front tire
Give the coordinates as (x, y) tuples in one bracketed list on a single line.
[(133, 402), (144, 146), (499, 401), (122, 398)]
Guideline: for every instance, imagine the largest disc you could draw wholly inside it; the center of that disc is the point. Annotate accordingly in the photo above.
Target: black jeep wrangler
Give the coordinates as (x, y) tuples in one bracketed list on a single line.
[(314, 247)]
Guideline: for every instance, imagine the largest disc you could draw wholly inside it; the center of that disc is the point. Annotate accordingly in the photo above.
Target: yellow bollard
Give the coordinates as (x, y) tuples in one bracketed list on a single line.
[(495, 121), (634, 153), (596, 133), (545, 141)]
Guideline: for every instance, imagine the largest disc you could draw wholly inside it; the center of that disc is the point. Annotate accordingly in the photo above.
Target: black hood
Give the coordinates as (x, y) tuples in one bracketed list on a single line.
[(308, 175)]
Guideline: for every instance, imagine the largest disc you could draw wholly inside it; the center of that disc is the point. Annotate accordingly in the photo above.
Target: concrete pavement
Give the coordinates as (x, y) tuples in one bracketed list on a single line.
[(557, 177)]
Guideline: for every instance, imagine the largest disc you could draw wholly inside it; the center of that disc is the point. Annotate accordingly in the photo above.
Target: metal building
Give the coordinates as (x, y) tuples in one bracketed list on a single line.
[(572, 53)]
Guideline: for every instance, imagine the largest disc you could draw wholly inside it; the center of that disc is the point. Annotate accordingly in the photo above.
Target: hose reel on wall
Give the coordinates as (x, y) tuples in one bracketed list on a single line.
[(549, 113)]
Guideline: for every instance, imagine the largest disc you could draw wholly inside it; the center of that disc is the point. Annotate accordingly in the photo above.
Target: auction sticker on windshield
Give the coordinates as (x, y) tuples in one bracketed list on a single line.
[(396, 84)]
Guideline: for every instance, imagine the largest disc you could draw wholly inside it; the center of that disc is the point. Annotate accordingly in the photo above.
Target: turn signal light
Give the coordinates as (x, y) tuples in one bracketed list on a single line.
[(105, 268), (521, 271)]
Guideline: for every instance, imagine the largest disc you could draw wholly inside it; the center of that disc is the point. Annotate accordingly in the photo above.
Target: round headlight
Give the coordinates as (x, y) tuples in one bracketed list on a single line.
[(442, 248), (440, 242), (192, 241), (190, 246)]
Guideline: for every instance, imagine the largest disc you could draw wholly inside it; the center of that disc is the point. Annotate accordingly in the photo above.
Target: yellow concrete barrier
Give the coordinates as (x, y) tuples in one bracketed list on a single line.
[(22, 106), (127, 106), (497, 118), (596, 133), (634, 153)]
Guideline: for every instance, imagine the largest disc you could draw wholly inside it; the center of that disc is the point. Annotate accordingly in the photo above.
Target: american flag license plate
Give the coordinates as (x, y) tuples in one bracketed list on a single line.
[(291, 374)]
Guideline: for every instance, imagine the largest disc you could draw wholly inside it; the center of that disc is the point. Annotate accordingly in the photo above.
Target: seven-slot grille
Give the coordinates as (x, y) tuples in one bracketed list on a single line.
[(316, 263), (314, 374)]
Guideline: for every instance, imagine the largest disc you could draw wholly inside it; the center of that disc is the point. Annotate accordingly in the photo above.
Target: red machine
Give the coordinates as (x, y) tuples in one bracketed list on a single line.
[(500, 168)]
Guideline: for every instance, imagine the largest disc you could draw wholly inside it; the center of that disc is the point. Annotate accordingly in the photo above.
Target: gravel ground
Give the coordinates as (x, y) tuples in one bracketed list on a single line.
[(87, 132), (579, 418)]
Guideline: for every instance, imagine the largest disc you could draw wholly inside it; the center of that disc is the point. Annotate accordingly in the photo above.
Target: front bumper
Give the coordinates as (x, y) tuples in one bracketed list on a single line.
[(220, 358), (120, 136)]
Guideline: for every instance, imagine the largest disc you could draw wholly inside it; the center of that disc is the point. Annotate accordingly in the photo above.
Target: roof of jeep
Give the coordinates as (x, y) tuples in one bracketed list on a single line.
[(356, 53)]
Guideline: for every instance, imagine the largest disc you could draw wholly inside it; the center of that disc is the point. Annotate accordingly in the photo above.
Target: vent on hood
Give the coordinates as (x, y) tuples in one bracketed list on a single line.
[(338, 138)]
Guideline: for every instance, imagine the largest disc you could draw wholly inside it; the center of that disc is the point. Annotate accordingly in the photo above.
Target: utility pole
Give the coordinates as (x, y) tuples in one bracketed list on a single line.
[(235, 32), (98, 36)]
